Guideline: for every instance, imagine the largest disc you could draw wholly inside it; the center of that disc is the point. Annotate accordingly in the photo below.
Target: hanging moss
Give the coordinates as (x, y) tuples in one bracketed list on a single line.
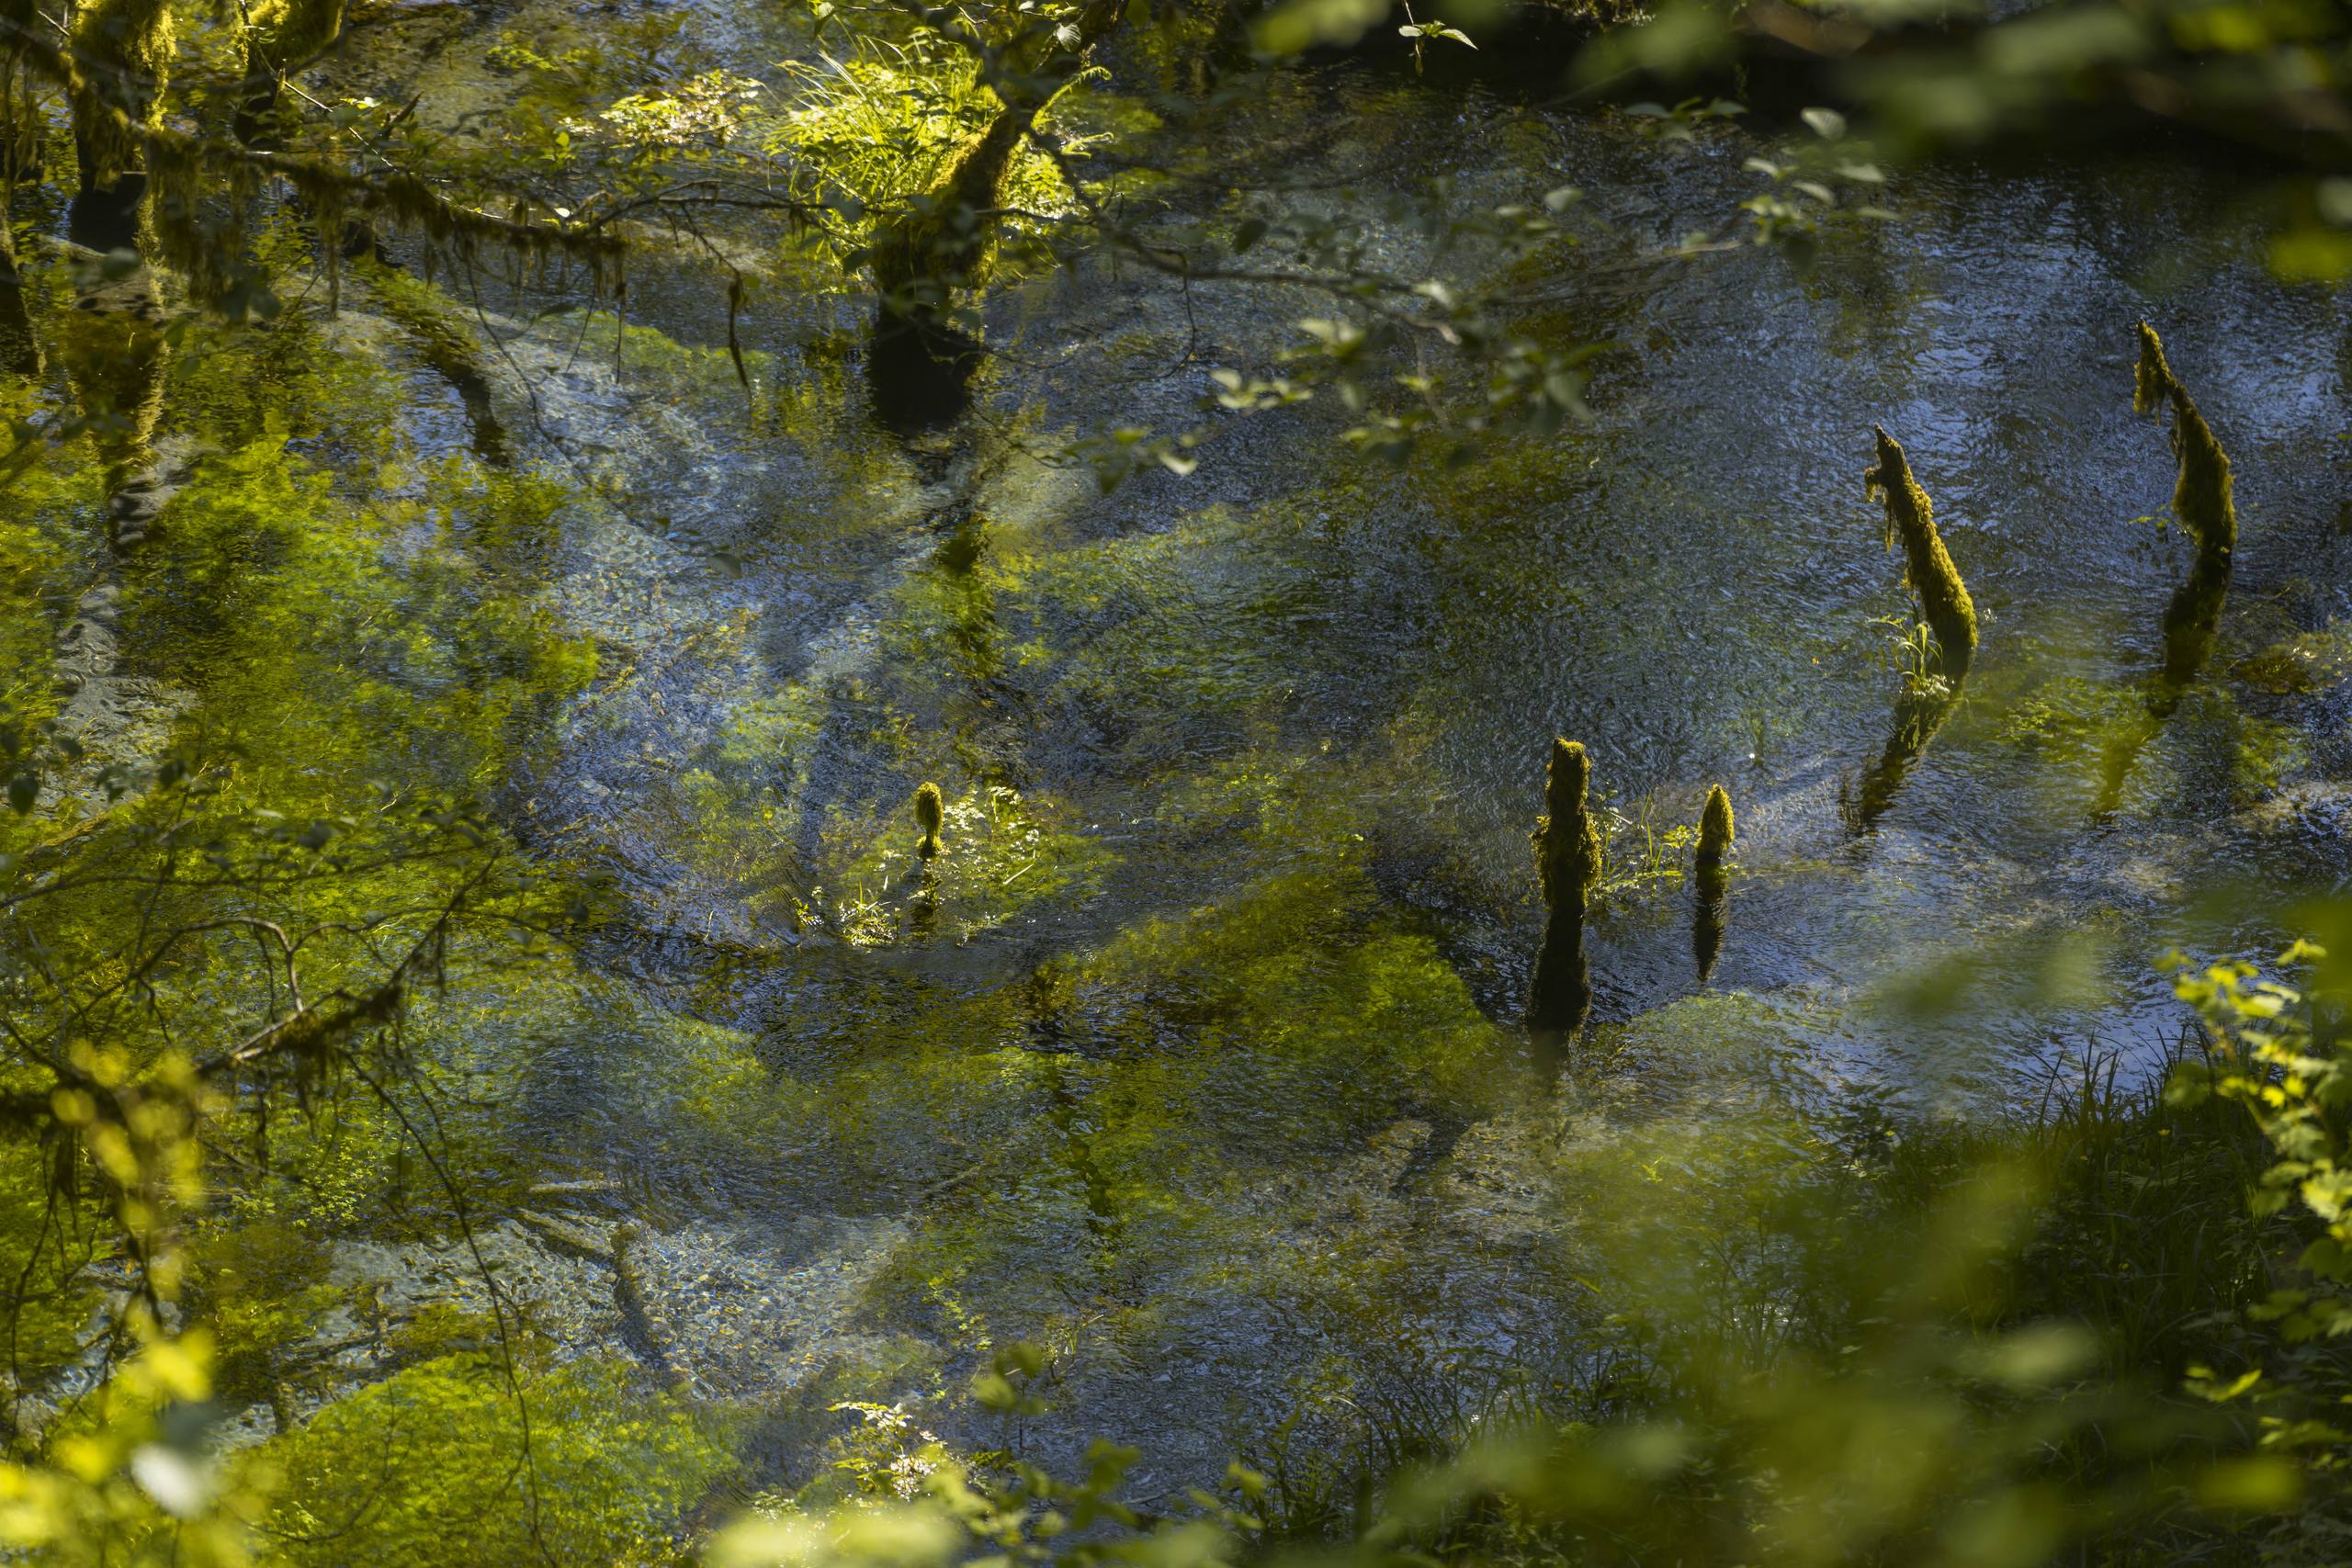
[(21, 352), (1715, 828), (1567, 845), (1928, 566), (2200, 496), (931, 815)]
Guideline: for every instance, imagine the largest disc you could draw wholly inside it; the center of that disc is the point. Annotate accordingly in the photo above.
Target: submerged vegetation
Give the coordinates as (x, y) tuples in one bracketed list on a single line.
[(499, 508)]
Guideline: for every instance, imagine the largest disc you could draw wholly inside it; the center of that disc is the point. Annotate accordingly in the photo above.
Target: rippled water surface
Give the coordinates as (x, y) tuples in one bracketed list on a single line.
[(1200, 1058)]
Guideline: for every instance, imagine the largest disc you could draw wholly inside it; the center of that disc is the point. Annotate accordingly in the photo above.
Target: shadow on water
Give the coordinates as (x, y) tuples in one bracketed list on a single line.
[(1560, 998), (919, 372), (1711, 911), (1918, 717), (2192, 622)]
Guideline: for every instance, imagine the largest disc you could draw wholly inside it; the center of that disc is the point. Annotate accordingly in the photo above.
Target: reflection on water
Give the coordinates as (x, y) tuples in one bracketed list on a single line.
[(1215, 1000)]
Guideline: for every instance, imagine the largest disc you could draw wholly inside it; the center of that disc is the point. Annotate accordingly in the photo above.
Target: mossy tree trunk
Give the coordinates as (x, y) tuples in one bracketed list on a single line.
[(281, 37), (122, 58), (944, 240)]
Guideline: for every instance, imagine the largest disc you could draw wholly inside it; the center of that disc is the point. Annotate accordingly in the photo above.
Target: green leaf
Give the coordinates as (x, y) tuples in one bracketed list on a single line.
[(1828, 124)]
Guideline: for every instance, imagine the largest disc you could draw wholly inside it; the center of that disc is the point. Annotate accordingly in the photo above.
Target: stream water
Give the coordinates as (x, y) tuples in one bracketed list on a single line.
[(1203, 1060)]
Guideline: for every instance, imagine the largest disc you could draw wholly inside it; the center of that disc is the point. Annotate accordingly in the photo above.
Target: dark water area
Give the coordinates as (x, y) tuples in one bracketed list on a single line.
[(1201, 1055)]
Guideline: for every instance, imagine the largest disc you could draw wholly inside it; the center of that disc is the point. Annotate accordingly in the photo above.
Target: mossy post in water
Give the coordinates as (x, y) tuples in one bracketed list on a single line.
[(2201, 495), (1568, 846), (1567, 863), (931, 815), (1928, 566), (1715, 828)]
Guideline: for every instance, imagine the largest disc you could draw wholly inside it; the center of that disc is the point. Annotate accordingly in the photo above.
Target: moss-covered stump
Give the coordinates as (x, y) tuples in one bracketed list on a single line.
[(1715, 828), (2201, 495), (931, 815), (945, 238), (1567, 845), (1928, 566)]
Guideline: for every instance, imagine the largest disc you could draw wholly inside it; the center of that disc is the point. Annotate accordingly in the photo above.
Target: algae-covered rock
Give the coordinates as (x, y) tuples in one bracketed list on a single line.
[(2200, 496), (1567, 845), (1928, 566)]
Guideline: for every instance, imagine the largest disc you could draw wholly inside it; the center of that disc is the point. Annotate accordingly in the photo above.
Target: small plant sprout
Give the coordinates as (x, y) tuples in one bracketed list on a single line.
[(1715, 828), (1567, 845), (1928, 566), (2200, 496), (931, 814)]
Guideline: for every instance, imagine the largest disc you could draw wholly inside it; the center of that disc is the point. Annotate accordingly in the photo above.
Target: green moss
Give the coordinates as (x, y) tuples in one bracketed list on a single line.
[(1567, 844), (602, 1473), (1715, 826), (1928, 566), (281, 37), (2201, 495)]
